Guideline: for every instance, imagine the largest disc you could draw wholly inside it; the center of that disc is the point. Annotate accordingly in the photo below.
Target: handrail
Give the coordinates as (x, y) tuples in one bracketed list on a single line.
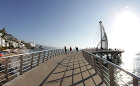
[(26, 53), (25, 62), (111, 66)]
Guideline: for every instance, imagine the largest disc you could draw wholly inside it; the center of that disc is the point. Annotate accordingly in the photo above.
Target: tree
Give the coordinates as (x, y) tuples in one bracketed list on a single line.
[(11, 46), (3, 31), (40, 47)]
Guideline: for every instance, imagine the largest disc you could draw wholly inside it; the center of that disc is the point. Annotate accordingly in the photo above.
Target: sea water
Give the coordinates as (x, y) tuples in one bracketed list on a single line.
[(131, 63)]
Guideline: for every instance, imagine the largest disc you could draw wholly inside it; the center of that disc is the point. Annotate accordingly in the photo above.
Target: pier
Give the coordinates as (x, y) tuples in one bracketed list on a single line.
[(64, 70), (56, 68)]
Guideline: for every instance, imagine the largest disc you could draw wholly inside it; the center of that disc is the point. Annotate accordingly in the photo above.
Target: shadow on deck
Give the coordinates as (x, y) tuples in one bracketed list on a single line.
[(64, 70)]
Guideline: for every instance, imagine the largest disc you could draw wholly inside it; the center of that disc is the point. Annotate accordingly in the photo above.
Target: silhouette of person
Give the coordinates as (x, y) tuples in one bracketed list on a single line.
[(70, 48), (65, 49)]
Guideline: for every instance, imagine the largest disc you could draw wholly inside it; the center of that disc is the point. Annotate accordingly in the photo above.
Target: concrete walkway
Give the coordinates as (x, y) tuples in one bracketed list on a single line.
[(64, 70)]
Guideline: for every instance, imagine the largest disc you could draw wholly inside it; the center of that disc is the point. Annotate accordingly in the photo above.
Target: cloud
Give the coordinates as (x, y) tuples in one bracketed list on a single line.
[(8, 23)]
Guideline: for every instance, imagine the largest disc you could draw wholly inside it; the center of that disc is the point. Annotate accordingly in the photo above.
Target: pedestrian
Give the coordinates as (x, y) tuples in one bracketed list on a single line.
[(77, 48), (70, 48), (65, 49)]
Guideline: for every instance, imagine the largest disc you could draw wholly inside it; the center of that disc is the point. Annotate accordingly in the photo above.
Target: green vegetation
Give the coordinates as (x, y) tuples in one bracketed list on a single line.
[(2, 48), (3, 31), (11, 46)]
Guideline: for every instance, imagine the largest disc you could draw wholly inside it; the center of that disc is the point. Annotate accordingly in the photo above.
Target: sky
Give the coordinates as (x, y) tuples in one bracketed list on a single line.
[(72, 23)]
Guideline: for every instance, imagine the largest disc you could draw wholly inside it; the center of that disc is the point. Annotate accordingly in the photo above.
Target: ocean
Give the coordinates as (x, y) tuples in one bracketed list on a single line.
[(131, 63)]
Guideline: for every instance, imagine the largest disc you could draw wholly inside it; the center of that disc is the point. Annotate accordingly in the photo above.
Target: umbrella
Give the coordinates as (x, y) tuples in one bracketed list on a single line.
[(1, 55)]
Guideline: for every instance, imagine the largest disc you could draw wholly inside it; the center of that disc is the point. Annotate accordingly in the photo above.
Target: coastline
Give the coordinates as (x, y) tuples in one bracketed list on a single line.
[(21, 51)]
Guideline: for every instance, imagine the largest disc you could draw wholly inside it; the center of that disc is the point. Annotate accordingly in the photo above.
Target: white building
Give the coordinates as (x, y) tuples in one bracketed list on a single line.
[(7, 44), (32, 44), (21, 45), (9, 38), (15, 44), (2, 41)]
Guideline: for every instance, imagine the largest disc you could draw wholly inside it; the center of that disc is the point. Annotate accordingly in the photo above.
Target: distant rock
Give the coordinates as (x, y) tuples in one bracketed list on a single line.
[(46, 47)]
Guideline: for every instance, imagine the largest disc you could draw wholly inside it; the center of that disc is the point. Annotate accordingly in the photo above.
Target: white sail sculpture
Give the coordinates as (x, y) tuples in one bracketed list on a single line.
[(103, 44)]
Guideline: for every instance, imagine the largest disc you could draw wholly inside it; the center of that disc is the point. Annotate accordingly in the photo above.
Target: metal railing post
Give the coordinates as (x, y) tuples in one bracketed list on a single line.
[(94, 62), (38, 58), (51, 54), (59, 51), (91, 61), (32, 61), (101, 69), (44, 57), (21, 65), (6, 68), (111, 74), (86, 56), (54, 53), (48, 55), (89, 58), (83, 53), (63, 51), (135, 82)]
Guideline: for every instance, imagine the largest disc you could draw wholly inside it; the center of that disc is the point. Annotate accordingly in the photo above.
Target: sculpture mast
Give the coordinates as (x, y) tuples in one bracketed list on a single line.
[(101, 32)]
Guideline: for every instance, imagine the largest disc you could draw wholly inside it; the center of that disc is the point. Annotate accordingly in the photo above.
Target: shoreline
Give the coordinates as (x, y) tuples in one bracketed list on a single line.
[(18, 51)]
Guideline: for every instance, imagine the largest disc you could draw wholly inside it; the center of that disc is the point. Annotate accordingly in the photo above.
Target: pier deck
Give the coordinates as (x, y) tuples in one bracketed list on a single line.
[(64, 70)]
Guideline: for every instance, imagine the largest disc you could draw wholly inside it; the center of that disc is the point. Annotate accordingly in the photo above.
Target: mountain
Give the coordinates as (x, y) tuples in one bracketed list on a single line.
[(46, 47)]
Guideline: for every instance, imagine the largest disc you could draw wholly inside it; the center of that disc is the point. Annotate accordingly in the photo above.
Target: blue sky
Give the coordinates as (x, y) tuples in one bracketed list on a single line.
[(71, 22)]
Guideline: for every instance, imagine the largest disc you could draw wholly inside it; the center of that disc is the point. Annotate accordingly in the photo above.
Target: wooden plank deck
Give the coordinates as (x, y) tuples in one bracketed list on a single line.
[(64, 70)]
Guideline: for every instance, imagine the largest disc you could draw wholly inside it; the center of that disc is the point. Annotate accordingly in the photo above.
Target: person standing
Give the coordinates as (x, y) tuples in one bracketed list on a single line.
[(65, 49), (70, 48), (76, 48)]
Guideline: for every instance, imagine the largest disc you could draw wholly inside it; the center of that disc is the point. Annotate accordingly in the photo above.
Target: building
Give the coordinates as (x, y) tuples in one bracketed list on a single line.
[(15, 44), (21, 45), (17, 40), (2, 41), (32, 44), (10, 38), (7, 44)]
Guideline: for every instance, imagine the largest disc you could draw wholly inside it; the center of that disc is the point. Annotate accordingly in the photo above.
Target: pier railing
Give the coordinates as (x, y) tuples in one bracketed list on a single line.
[(16, 65), (108, 71)]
